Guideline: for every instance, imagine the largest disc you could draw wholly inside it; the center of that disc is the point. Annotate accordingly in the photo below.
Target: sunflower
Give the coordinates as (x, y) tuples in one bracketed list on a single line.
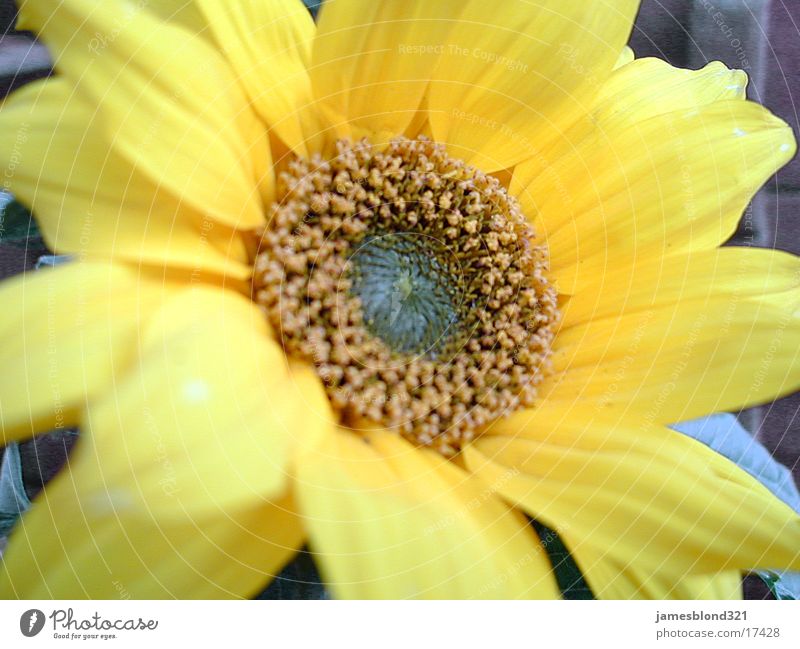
[(390, 286)]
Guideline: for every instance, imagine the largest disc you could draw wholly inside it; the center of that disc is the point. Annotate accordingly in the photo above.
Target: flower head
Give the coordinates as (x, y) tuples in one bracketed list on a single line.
[(389, 286)]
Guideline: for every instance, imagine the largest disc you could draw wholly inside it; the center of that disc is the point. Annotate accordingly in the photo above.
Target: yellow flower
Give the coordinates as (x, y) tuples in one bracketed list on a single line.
[(213, 447)]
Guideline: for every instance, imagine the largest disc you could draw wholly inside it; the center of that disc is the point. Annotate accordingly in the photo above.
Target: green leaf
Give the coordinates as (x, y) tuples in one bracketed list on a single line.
[(313, 6), (568, 576), (17, 226), (13, 499)]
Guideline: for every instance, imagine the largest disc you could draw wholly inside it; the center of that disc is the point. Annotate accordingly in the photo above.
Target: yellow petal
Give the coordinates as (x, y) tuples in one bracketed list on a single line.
[(668, 184), (180, 12), (66, 333), (167, 101), (682, 360), (649, 87), (269, 46), (211, 414), (91, 202), (514, 75), (725, 585), (74, 544), (626, 57), (646, 88), (635, 493), (391, 521), (699, 275), (611, 579), (371, 63)]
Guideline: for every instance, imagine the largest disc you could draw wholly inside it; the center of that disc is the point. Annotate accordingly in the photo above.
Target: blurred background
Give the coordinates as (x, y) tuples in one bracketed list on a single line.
[(761, 37)]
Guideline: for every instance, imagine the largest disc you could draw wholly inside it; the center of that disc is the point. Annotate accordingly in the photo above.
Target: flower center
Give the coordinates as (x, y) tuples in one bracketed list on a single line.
[(411, 281), (409, 297)]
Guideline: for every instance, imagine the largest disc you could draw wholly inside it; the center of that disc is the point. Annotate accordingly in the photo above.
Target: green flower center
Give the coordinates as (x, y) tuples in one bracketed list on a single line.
[(410, 298)]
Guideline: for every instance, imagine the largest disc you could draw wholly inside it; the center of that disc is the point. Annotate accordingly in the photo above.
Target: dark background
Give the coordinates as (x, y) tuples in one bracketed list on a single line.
[(761, 36)]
